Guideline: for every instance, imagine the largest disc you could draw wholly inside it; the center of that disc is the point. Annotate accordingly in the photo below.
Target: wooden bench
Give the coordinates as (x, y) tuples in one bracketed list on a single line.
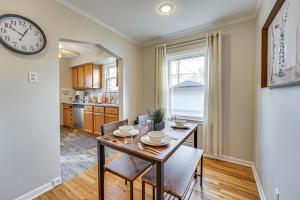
[(180, 171)]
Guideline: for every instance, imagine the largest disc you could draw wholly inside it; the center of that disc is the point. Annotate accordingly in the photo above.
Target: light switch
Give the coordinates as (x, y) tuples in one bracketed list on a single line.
[(32, 77)]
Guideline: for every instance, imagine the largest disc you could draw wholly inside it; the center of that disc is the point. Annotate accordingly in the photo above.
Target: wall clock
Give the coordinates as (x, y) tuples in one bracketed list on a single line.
[(21, 35)]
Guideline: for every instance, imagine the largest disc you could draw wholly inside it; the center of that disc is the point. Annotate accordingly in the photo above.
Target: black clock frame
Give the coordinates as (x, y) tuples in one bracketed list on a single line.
[(18, 51)]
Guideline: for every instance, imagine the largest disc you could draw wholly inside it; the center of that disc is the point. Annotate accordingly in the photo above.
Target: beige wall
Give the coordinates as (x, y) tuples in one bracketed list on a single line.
[(29, 117), (238, 92), (65, 79), (277, 139)]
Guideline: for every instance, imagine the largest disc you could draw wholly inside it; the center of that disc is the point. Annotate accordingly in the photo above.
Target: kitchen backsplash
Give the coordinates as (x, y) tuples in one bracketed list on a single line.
[(113, 96)]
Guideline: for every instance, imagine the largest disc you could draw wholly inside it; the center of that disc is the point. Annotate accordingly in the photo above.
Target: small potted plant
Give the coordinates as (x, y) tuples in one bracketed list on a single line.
[(157, 115)]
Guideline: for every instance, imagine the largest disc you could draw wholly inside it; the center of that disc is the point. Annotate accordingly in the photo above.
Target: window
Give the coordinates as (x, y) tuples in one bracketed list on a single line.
[(111, 77), (186, 86)]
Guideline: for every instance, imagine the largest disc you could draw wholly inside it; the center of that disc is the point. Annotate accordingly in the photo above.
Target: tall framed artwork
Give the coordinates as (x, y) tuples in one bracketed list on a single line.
[(281, 45)]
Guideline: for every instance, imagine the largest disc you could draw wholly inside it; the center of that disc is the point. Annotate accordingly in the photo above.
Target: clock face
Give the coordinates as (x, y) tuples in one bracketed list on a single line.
[(21, 35)]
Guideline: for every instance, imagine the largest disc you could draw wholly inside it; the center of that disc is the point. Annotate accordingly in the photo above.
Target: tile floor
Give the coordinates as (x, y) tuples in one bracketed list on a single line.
[(76, 159)]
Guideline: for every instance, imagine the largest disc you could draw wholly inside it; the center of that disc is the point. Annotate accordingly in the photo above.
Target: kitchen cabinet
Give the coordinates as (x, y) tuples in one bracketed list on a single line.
[(87, 76), (89, 122), (111, 114), (99, 120), (88, 71), (111, 118), (97, 76), (80, 77), (68, 115), (94, 117)]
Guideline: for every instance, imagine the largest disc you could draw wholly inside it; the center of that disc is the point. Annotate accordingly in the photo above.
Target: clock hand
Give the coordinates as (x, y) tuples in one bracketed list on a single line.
[(24, 34), (16, 31)]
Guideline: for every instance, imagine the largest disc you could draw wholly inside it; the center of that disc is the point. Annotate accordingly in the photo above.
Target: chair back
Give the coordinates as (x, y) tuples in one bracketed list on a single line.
[(111, 127), (142, 119)]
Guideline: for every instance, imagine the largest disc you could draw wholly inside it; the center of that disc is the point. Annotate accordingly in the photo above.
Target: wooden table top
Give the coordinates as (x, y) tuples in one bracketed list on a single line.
[(132, 147)]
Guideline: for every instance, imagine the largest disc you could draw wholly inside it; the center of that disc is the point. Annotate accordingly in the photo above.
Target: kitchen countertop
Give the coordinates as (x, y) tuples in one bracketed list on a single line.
[(93, 104)]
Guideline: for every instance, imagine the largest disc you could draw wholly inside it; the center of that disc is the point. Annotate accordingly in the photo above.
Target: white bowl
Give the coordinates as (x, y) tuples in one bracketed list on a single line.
[(156, 136), (125, 130), (179, 122)]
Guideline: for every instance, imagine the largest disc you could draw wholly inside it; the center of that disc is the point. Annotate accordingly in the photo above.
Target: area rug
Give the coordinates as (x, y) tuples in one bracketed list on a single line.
[(85, 142)]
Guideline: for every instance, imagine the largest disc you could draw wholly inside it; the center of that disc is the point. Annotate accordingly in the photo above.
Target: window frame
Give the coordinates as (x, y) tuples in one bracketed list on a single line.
[(180, 56), (108, 77)]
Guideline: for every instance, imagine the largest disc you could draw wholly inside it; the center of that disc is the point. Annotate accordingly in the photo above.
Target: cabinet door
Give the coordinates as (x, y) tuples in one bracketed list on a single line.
[(89, 122), (75, 77), (111, 118), (88, 75), (97, 76), (80, 76), (67, 117), (99, 120)]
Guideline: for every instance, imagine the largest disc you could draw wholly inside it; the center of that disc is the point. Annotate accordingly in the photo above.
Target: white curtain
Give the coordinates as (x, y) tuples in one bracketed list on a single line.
[(161, 81), (212, 125)]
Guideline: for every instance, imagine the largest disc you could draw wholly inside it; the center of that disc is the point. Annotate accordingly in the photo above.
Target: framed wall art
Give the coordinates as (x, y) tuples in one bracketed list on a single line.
[(281, 45)]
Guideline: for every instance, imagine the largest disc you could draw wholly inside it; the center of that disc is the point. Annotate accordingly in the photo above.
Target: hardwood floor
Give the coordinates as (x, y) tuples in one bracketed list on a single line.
[(222, 180)]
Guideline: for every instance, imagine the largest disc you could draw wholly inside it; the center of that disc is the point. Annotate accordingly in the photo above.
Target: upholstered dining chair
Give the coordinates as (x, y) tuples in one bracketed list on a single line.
[(125, 166), (142, 119)]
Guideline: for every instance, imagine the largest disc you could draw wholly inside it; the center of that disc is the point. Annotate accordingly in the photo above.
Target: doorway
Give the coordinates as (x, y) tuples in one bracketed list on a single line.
[(90, 83)]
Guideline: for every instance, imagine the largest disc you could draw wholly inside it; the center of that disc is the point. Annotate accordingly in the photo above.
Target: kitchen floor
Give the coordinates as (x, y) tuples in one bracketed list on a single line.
[(78, 152)]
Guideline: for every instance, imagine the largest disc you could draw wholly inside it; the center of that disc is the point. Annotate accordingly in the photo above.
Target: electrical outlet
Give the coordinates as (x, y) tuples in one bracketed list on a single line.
[(32, 77), (276, 195), (56, 182)]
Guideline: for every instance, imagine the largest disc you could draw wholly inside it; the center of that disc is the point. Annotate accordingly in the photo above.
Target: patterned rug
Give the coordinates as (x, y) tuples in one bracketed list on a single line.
[(78, 152)]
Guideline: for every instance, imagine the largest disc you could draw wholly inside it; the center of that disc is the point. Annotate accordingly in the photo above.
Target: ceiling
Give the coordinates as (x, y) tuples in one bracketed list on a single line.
[(139, 21), (80, 48)]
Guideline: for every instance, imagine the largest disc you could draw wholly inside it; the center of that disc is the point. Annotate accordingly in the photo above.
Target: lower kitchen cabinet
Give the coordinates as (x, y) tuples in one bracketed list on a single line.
[(99, 120), (89, 122), (111, 118), (68, 115), (94, 117)]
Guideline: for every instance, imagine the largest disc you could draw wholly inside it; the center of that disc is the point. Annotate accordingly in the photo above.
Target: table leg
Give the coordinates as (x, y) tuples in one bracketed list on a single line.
[(201, 171), (159, 180), (196, 146), (196, 138), (101, 163)]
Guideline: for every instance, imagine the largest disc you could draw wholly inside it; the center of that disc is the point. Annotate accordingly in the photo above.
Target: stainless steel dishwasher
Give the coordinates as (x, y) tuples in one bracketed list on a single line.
[(78, 116)]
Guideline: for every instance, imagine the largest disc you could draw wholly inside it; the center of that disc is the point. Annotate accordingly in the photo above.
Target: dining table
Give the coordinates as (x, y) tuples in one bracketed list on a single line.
[(131, 146)]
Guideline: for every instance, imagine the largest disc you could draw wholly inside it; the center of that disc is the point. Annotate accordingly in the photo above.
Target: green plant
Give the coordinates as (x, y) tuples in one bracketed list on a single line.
[(157, 115)]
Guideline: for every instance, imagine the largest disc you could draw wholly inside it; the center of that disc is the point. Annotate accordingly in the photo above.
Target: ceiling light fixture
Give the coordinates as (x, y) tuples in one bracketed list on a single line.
[(166, 8)]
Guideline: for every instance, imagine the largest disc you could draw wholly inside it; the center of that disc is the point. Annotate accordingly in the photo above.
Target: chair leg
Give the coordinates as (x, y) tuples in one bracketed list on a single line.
[(201, 171), (131, 190), (153, 192), (143, 190)]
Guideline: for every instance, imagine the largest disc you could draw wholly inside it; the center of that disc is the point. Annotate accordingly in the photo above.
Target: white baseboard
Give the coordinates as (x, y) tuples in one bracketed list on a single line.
[(245, 163), (40, 190), (258, 183), (232, 159)]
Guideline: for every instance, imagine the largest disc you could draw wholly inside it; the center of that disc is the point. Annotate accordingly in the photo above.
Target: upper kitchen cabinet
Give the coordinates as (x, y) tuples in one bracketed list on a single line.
[(81, 77), (87, 76), (92, 76)]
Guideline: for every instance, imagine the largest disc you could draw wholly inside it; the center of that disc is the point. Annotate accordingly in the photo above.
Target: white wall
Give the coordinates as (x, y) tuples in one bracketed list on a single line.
[(277, 149), (238, 92), (29, 117), (65, 80)]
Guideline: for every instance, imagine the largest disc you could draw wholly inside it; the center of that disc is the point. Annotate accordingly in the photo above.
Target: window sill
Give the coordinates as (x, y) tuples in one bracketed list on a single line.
[(189, 119)]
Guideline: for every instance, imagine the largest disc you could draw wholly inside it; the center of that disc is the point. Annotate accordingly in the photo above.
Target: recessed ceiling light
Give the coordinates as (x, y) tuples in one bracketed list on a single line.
[(166, 8)]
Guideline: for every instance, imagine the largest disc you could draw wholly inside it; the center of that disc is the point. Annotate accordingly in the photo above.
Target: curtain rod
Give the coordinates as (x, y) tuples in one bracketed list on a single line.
[(186, 43)]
